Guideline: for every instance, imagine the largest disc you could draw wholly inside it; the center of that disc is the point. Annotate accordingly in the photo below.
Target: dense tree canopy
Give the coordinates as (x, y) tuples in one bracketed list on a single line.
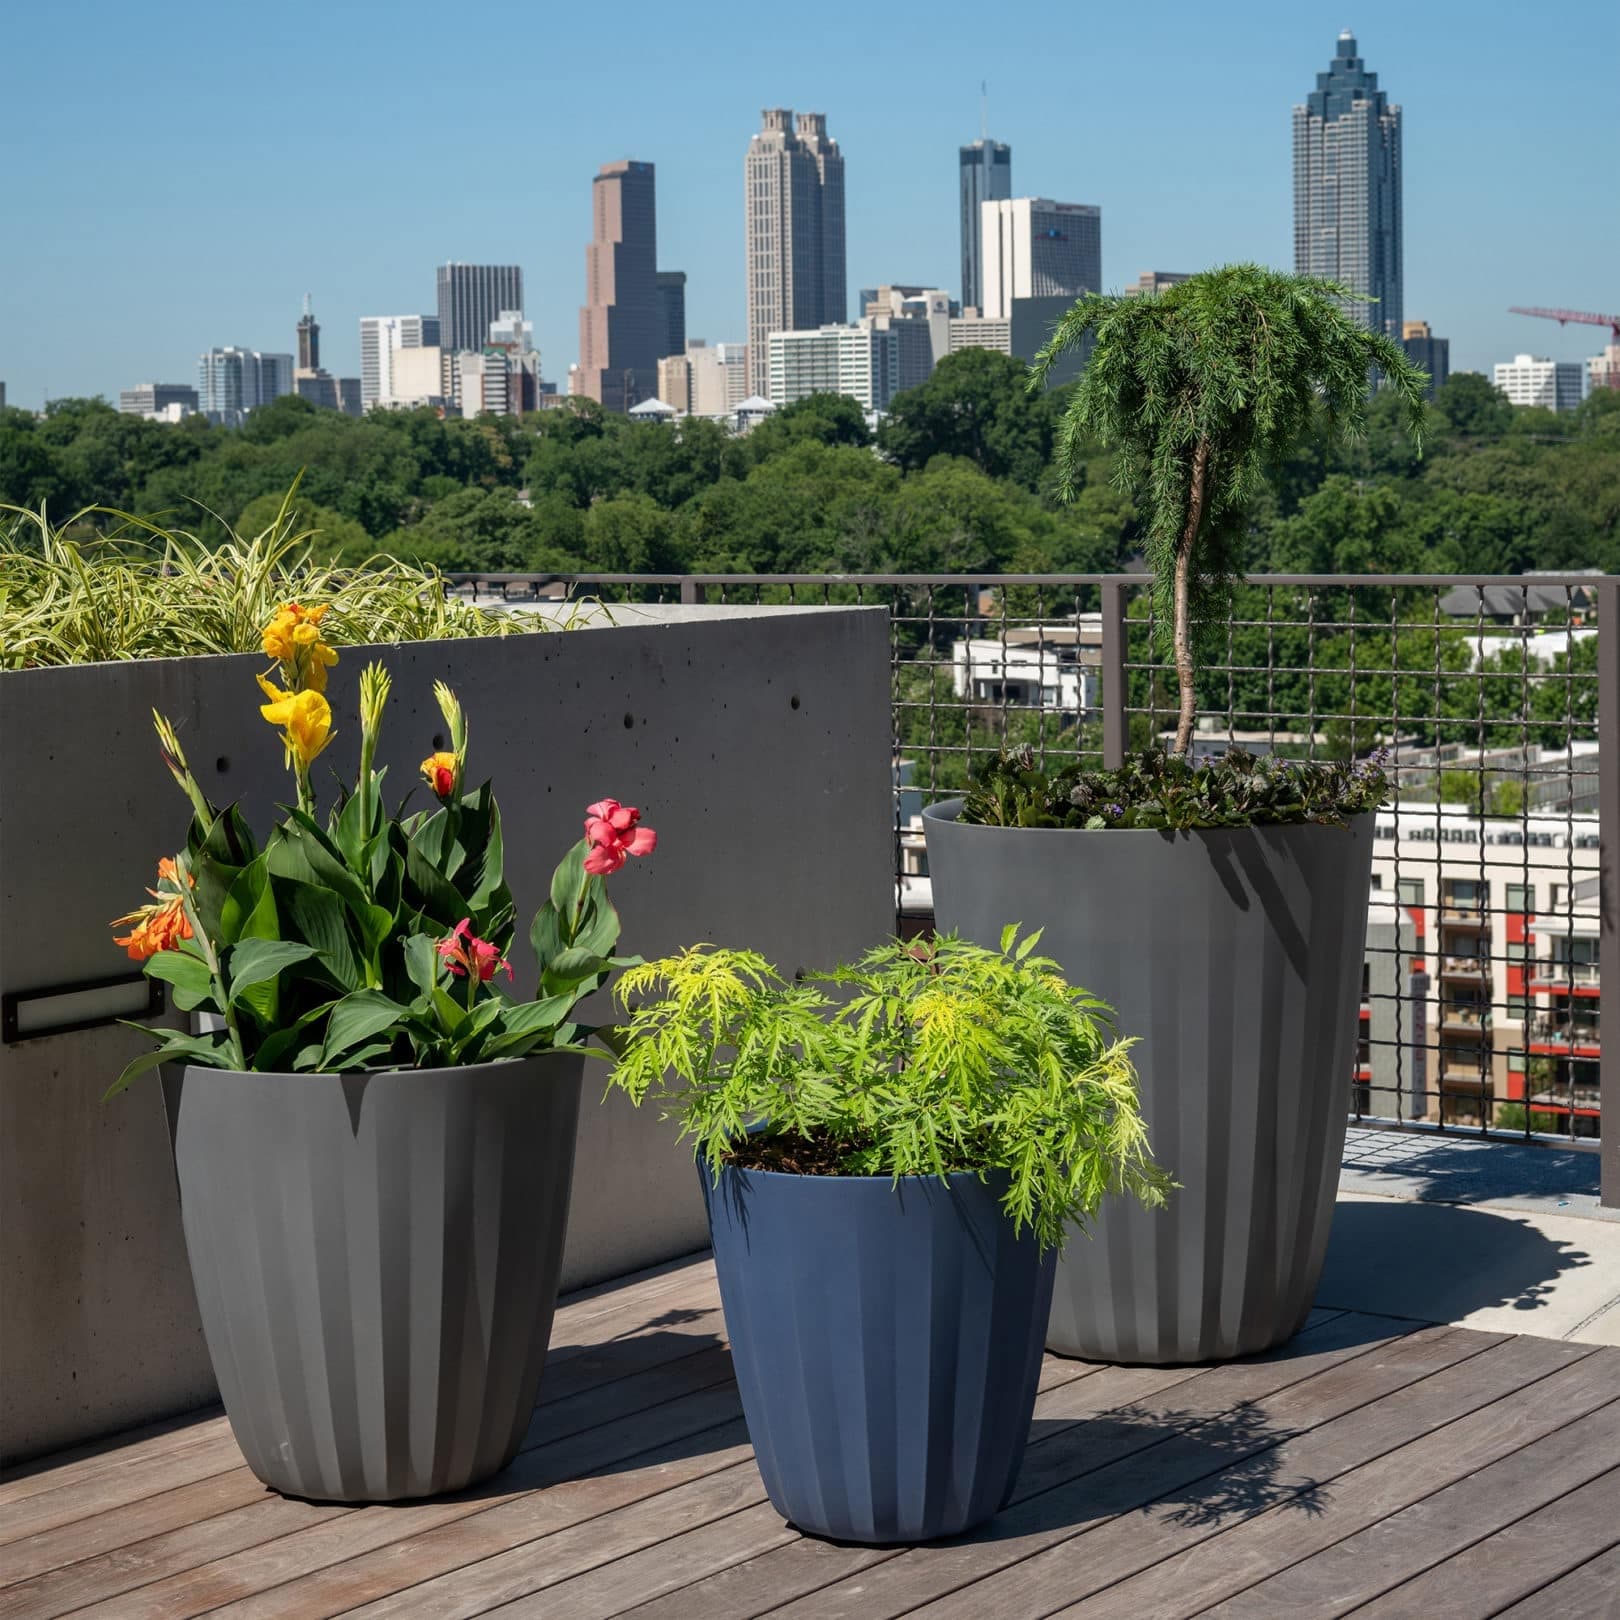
[(958, 478)]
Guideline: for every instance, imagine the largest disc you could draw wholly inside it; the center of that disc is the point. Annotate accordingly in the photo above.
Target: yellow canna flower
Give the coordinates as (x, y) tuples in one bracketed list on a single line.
[(293, 639), (441, 770), (305, 718), (278, 637)]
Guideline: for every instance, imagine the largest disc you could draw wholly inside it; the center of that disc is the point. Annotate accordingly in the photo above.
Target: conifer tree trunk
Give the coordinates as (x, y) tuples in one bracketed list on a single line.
[(1186, 675)]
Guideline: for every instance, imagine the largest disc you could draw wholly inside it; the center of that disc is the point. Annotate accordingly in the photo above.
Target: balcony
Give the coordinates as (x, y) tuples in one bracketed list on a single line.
[(1555, 974), (1411, 1444)]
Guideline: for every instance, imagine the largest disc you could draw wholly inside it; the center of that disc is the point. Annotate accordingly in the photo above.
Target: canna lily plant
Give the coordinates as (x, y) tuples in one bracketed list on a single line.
[(369, 941)]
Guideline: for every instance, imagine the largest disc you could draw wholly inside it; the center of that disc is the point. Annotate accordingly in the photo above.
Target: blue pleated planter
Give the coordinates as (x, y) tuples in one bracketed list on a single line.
[(887, 1342)]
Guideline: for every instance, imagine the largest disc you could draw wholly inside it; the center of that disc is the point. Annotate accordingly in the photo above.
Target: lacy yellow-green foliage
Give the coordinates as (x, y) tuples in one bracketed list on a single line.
[(917, 1060), (149, 592)]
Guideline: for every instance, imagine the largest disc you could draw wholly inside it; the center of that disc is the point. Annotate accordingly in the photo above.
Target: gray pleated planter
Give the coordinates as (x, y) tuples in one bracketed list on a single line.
[(887, 1345), (376, 1261), (1235, 956)]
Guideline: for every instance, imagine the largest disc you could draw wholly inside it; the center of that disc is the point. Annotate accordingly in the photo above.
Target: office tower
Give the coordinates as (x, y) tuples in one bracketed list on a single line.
[(984, 175), (794, 202), (232, 381), (166, 401), (309, 340), (1151, 282), (672, 306), (1424, 349), (675, 383), (1553, 385), (719, 373), (349, 397), (1036, 248), (381, 337), (862, 361), (1347, 188), (470, 297), (920, 318), (2, 396), (416, 378), (621, 325), (320, 388)]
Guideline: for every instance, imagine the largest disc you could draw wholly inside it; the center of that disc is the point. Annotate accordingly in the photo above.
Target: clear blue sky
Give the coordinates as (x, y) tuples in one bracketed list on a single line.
[(176, 175)]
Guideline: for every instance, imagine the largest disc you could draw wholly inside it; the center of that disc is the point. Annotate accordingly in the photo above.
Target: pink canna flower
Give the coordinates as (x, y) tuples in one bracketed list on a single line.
[(465, 954), (613, 833)]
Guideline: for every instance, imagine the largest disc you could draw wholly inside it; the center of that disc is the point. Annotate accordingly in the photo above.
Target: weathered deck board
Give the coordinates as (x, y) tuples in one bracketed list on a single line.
[(1372, 1462)]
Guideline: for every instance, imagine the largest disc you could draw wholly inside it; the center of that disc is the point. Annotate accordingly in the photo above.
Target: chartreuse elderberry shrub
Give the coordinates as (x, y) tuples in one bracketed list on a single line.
[(1157, 789), (920, 1059)]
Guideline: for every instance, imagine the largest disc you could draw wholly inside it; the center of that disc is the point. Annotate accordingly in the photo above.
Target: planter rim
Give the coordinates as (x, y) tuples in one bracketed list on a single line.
[(950, 810), (950, 1177), (377, 1074)]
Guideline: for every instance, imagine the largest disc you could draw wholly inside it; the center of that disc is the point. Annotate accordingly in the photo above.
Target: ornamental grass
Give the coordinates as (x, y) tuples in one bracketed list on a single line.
[(141, 590)]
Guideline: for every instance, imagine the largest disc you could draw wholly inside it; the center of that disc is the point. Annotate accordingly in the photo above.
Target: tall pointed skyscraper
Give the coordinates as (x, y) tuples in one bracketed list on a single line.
[(794, 200), (985, 175), (1347, 187)]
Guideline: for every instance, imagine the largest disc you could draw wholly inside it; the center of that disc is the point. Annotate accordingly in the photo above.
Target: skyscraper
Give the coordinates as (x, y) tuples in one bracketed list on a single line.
[(1425, 350), (231, 382), (794, 201), (381, 337), (1347, 188), (621, 325), (309, 340), (1037, 248), (985, 175), (672, 304), (470, 297)]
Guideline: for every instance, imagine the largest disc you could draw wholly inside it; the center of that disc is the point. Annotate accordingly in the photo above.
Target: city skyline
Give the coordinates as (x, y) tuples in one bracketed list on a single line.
[(1137, 143)]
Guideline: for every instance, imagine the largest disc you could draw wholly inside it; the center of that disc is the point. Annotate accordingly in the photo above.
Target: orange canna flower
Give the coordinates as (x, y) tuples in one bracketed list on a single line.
[(159, 926)]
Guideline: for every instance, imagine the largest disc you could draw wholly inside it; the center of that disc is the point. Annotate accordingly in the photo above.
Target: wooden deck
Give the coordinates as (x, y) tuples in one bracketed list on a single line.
[(1374, 1465)]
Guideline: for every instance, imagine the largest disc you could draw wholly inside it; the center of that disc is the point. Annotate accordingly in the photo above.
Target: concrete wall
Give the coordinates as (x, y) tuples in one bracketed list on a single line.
[(757, 742)]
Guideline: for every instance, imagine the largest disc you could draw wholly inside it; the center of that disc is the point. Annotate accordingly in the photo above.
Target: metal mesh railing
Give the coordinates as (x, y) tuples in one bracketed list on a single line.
[(1494, 882)]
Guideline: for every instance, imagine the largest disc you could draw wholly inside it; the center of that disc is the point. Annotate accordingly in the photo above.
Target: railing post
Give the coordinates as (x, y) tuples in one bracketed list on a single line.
[(1115, 688), (1608, 600), (693, 593)]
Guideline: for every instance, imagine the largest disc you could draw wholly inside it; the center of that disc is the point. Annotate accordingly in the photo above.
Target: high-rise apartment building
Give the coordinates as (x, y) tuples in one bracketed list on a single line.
[(166, 401), (1424, 349), (1603, 370), (862, 361), (232, 381), (1347, 188), (381, 338), (794, 203), (1553, 385), (309, 340), (984, 174), (1037, 248), (672, 306), (470, 297), (719, 373), (675, 383), (621, 325)]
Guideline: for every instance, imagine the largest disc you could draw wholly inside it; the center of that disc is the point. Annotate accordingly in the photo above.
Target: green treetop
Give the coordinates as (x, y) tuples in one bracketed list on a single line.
[(1203, 390)]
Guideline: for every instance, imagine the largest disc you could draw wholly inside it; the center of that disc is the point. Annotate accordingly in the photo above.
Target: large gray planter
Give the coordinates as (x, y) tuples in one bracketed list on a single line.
[(376, 1261), (1235, 957)]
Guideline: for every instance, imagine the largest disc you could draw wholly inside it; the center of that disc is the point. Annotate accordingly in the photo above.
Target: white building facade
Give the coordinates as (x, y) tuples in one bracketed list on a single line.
[(1552, 385), (381, 337), (1033, 247), (859, 361)]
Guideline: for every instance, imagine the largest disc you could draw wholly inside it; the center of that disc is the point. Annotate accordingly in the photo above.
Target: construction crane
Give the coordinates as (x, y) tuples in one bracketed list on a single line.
[(1580, 316)]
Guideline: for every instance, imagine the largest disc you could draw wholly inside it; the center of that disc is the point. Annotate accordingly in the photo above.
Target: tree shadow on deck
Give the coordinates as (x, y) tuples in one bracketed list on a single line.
[(1442, 1262)]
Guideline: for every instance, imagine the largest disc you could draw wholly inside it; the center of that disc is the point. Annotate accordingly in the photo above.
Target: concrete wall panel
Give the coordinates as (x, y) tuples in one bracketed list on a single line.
[(757, 742)]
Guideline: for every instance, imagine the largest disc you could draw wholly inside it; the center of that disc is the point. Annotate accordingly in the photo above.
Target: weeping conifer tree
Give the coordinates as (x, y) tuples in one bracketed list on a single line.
[(1202, 390)]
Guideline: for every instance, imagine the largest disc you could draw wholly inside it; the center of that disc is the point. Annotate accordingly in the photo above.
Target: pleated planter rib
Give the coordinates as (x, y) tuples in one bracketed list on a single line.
[(887, 1345), (1235, 956), (376, 1261)]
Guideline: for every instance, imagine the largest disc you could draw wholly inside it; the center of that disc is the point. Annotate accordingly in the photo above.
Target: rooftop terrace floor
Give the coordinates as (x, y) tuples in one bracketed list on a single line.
[(1377, 1464)]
